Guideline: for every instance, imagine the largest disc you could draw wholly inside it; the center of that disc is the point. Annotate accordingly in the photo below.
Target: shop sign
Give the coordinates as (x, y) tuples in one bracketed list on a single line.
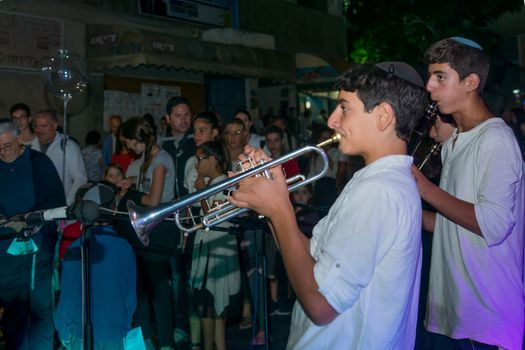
[(210, 12), (28, 42)]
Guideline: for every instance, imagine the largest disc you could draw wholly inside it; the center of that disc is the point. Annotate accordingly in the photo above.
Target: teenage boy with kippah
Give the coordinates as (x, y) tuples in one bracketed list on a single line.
[(476, 277), (357, 279)]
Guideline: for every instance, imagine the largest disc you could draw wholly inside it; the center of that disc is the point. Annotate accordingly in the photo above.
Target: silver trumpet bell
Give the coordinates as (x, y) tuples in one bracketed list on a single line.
[(145, 219)]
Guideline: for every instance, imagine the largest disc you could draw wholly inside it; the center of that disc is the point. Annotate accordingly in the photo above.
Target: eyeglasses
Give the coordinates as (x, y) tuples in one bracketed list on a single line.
[(6, 147), (202, 158), (233, 133)]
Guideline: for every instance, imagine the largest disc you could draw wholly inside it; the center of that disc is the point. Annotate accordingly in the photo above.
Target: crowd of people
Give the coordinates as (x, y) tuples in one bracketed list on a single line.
[(183, 285), (351, 249)]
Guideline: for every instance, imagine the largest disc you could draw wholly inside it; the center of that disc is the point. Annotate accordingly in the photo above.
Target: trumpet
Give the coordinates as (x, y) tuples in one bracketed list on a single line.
[(144, 220)]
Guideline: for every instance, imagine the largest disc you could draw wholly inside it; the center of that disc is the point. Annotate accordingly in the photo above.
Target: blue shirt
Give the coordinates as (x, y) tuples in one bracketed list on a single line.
[(29, 183), (16, 185)]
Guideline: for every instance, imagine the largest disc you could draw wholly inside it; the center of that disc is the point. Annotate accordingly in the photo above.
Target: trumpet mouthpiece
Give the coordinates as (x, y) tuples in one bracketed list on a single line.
[(333, 139)]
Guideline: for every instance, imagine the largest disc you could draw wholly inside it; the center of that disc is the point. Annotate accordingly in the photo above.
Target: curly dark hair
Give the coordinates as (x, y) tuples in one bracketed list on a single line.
[(374, 86)]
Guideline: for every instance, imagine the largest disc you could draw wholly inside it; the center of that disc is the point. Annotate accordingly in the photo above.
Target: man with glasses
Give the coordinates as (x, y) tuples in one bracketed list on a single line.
[(26, 266), (21, 116)]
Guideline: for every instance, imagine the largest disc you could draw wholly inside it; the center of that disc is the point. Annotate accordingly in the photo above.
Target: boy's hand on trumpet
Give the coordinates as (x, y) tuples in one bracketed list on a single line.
[(249, 159), (268, 197), (257, 154)]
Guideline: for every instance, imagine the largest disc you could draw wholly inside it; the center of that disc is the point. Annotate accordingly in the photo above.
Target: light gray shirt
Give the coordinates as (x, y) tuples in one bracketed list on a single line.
[(161, 158)]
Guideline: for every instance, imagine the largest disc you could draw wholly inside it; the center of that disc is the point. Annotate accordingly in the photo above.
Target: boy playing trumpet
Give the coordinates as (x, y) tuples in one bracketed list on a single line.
[(357, 279)]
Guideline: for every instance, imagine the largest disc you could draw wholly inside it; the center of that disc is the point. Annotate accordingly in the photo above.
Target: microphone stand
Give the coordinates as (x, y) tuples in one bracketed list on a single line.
[(260, 277), (262, 251), (85, 240), (87, 327)]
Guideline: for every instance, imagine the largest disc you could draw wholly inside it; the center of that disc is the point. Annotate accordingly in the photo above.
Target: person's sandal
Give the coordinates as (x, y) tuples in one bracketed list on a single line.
[(246, 323), (259, 339)]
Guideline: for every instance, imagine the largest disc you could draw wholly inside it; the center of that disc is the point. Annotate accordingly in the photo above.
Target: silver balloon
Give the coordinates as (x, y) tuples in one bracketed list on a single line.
[(65, 75)]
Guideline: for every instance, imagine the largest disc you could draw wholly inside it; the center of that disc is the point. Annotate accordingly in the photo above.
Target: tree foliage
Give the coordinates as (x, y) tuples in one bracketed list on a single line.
[(381, 30)]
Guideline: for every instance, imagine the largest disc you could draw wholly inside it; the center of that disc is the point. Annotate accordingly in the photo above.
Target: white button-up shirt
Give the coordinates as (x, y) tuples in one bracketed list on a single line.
[(368, 262)]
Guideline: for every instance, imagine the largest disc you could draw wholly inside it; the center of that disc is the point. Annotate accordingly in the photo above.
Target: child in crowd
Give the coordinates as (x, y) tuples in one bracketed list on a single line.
[(274, 141), (205, 128), (215, 275), (114, 173), (122, 155), (306, 216)]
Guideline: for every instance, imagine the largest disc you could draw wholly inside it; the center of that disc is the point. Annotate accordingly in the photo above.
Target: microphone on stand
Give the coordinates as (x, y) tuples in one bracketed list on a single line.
[(27, 225), (86, 211)]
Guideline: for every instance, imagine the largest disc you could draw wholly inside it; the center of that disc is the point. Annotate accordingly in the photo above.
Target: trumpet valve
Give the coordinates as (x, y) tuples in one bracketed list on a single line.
[(243, 165)]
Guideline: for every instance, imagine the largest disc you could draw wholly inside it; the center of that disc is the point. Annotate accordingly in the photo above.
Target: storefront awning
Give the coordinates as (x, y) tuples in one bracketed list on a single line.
[(111, 47), (312, 69)]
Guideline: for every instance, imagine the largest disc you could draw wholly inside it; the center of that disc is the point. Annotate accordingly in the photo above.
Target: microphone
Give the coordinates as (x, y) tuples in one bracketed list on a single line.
[(85, 211)]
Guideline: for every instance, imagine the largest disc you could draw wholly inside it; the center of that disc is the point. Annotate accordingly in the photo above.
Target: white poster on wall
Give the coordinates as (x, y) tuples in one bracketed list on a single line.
[(154, 98), (125, 104)]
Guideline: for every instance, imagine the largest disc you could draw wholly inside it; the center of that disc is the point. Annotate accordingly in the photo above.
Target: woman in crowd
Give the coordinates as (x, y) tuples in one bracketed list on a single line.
[(156, 180), (234, 138)]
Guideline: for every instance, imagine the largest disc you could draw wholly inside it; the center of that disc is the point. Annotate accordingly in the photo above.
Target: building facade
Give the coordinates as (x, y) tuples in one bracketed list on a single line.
[(222, 54)]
